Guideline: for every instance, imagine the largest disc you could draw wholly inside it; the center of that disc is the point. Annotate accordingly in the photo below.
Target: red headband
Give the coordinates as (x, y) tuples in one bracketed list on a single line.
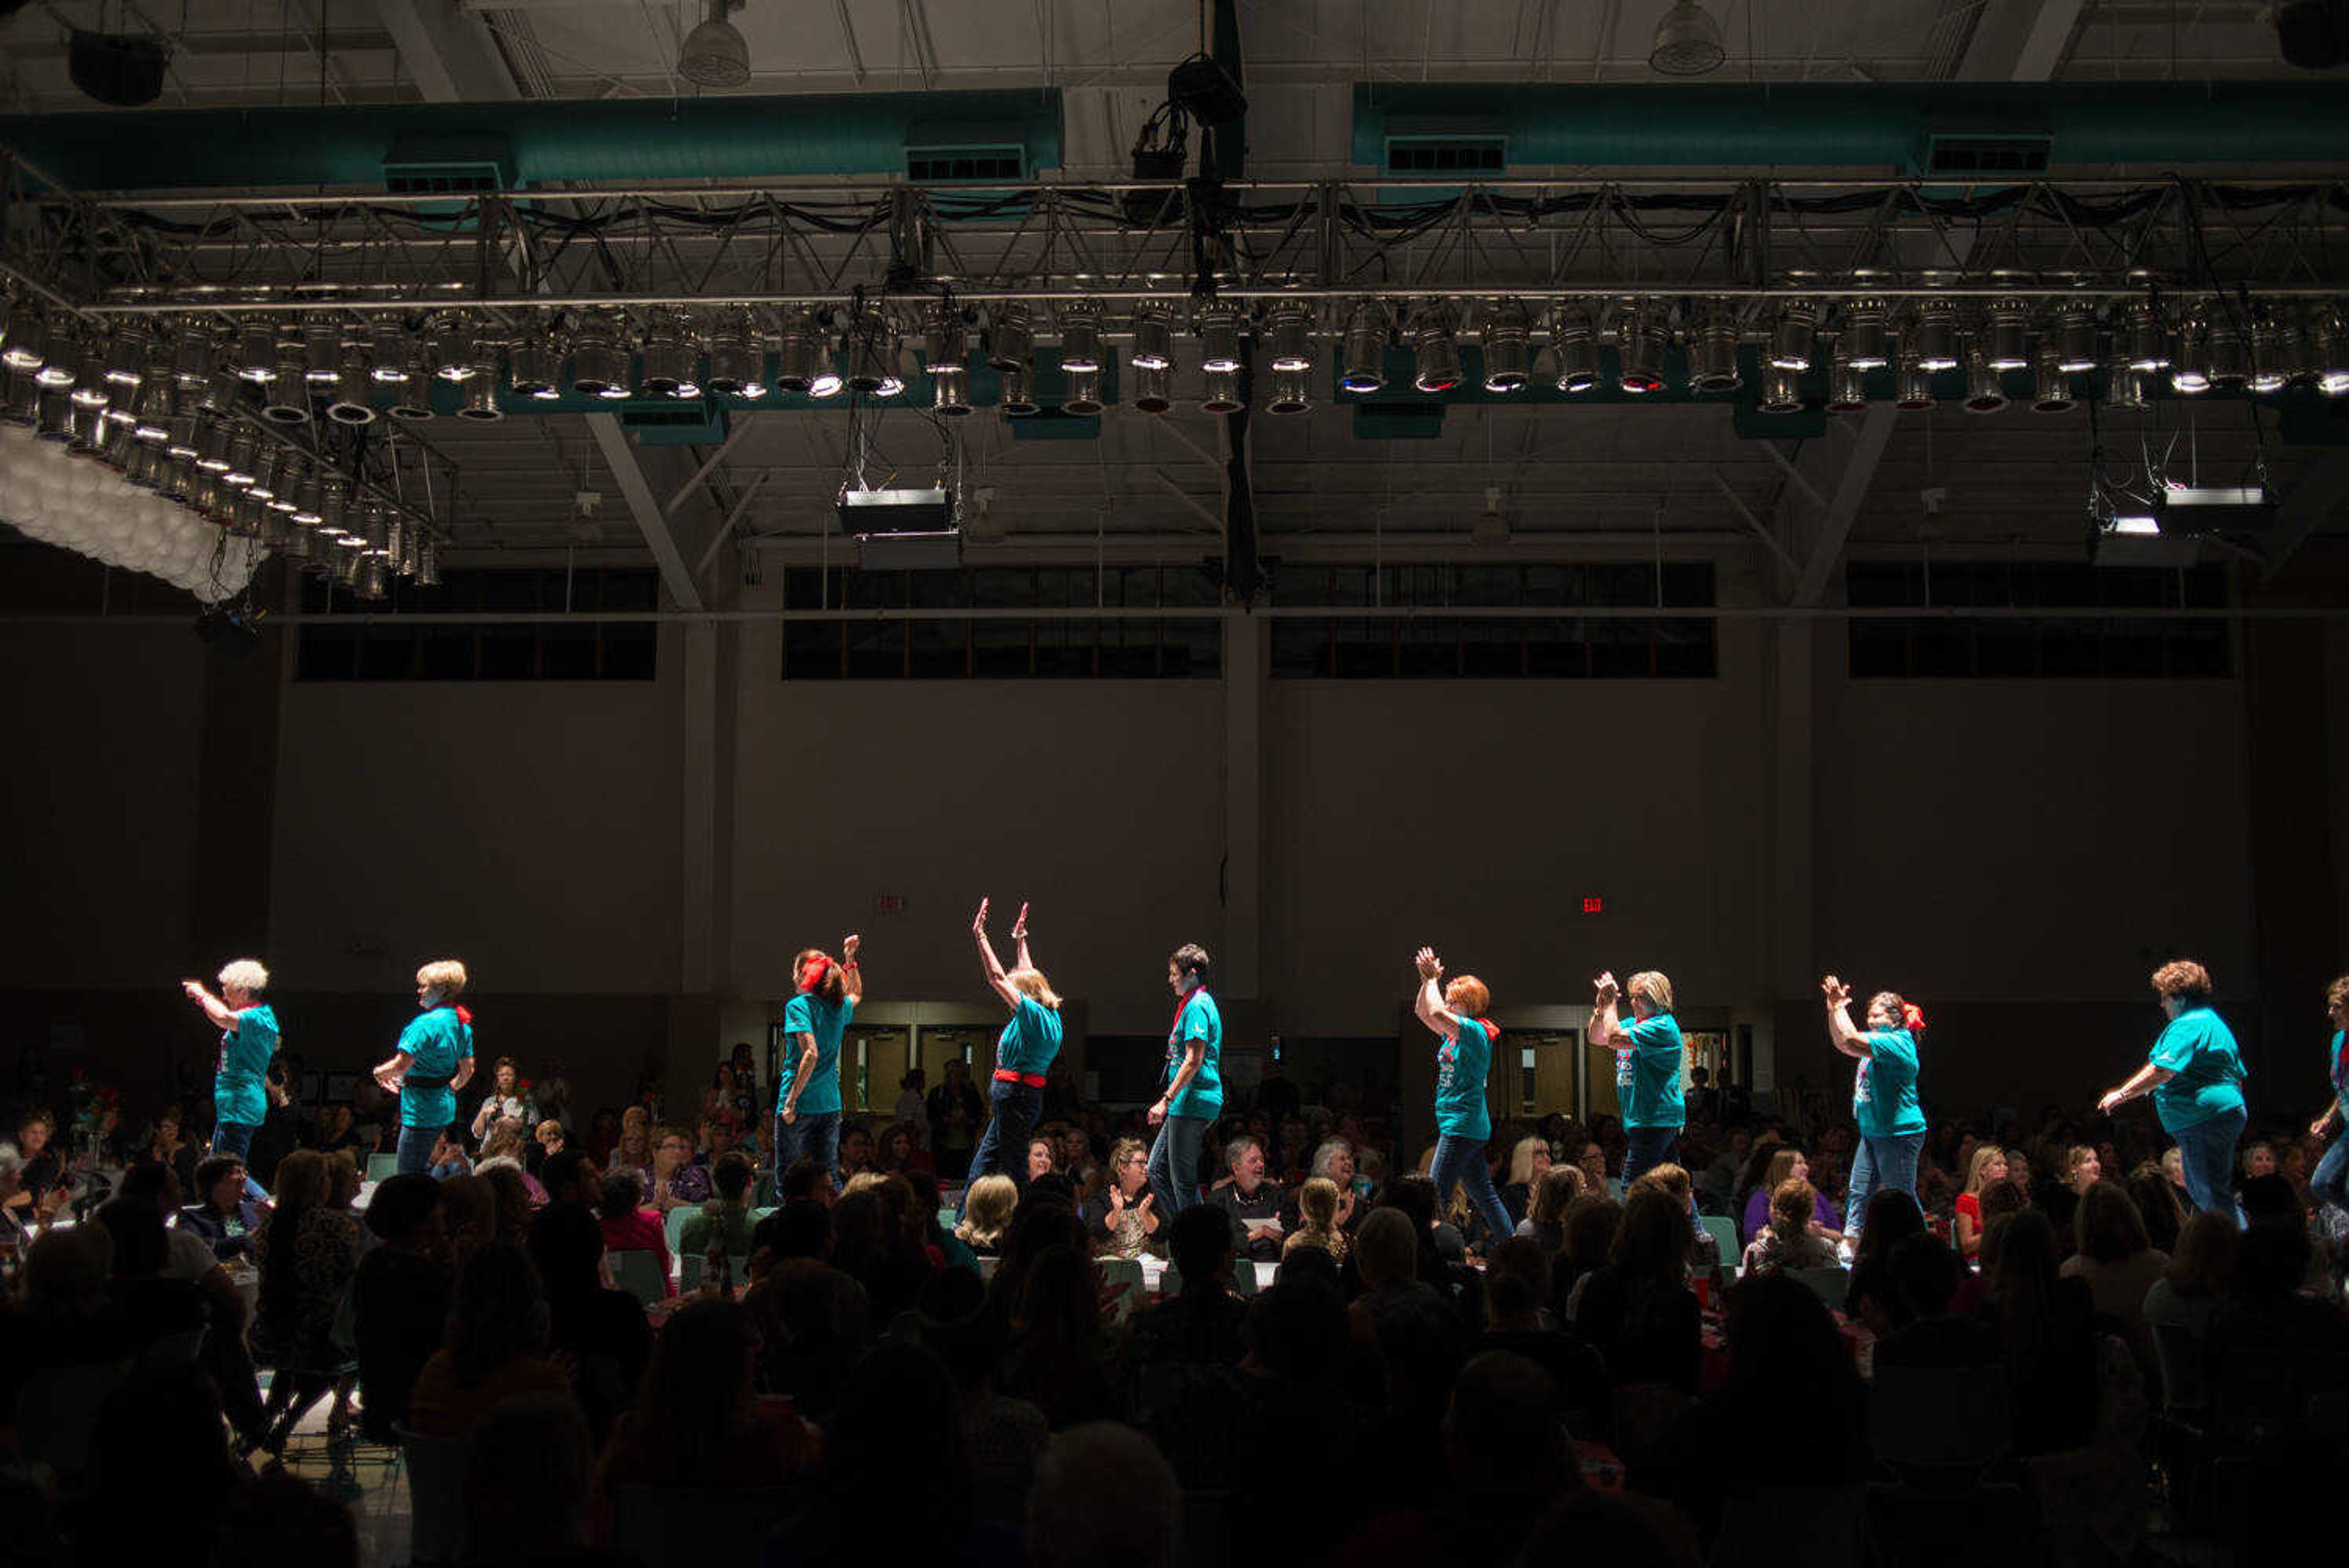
[(1912, 1017), (811, 973)]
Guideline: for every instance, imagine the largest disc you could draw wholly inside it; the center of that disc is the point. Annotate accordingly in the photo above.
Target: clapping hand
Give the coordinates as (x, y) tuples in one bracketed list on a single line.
[(1020, 926), (978, 921), (1430, 966), (1838, 994), (1606, 987), (848, 945)]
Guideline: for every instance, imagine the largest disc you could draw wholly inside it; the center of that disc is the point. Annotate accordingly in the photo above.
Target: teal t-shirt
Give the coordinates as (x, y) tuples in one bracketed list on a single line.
[(1204, 1095), (239, 1094), (1647, 1073), (2338, 1070), (1462, 1064), (807, 1014), (436, 1041), (1031, 1041), (2200, 1048), (1884, 1092)]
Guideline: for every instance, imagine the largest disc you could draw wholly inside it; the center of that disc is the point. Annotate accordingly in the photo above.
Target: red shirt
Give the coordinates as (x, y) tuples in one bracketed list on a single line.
[(641, 1232)]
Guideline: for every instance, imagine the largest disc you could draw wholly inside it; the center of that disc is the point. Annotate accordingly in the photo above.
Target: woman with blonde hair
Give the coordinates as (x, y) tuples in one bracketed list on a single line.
[(305, 1253), (1553, 1195), (1530, 1161), (988, 1205), (1024, 1054), (249, 1043), (1463, 1121), (2330, 1182), (1316, 1207), (433, 1060), (1988, 1166), (1120, 1218), (2194, 1074), (1651, 1057), (2082, 1169)]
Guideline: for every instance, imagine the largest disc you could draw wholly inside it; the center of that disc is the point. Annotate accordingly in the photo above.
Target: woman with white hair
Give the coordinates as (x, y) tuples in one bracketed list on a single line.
[(1023, 1056), (249, 1037), (433, 1060)]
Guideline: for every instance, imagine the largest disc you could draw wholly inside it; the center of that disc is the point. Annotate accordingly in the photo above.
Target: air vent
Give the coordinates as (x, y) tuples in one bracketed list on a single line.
[(448, 166), (696, 423), (1988, 156), (1447, 155), (959, 165)]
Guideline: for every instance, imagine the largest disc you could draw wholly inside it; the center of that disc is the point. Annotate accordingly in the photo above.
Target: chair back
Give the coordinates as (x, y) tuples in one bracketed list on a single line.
[(57, 1415), (436, 1496), (673, 1226), (1122, 1272), (693, 1266), (1818, 1526), (1829, 1286), (638, 1272), (762, 1189), (1939, 1417), (692, 1526), (1723, 1231), (1243, 1279), (381, 1167)]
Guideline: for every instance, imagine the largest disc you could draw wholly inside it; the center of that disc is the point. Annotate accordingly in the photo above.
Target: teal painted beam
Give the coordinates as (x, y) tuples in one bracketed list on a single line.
[(544, 141), (1864, 126)]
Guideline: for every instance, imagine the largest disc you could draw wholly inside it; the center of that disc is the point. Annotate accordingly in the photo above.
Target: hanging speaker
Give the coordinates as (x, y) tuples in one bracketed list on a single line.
[(124, 70)]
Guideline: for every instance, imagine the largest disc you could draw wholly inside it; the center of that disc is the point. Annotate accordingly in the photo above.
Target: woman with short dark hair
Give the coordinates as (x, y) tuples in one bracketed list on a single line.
[(2194, 1074), (1884, 1090), (2330, 1182)]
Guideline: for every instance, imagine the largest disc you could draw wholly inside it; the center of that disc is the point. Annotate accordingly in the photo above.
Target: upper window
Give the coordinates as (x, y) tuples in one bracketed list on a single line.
[(486, 649), (941, 640), (2129, 639)]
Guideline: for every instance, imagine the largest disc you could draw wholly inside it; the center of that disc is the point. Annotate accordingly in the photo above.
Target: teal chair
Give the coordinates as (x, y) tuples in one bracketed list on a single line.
[(382, 1166), (1125, 1271), (759, 1214), (762, 1189), (638, 1272), (1828, 1285), (673, 1225), (1723, 1231), (1243, 1278), (693, 1265)]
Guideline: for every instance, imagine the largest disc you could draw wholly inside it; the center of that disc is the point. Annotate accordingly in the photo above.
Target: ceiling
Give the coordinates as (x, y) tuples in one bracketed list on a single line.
[(1608, 477)]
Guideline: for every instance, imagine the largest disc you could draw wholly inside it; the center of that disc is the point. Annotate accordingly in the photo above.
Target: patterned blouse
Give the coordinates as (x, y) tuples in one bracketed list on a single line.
[(294, 1327)]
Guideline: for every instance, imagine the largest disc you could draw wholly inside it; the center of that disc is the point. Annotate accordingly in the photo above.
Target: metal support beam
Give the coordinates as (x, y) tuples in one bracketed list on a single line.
[(1207, 514), (1761, 530), (726, 529), (741, 427), (2319, 496), (1850, 491), (621, 458), (2020, 40), (451, 54)]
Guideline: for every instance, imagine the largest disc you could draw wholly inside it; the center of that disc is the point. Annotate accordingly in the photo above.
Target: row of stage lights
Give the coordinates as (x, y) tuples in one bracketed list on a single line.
[(169, 423), (159, 381)]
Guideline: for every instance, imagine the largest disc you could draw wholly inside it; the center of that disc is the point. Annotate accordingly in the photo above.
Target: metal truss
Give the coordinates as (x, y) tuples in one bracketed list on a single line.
[(520, 253)]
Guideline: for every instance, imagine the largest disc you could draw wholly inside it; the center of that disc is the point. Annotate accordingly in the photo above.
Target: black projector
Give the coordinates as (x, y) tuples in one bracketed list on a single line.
[(902, 530)]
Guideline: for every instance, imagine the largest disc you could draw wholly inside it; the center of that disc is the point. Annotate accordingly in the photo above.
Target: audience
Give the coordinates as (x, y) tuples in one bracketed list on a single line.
[(1250, 1202), (307, 1254), (987, 1213), (628, 1228), (495, 1350), (722, 1225), (599, 1332), (399, 1298), (697, 1422), (1791, 1239), (2117, 1259)]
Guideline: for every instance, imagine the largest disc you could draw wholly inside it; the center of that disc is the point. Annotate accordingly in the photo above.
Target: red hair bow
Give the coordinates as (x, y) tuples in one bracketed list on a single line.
[(465, 1016), (1912, 1017), (811, 974)]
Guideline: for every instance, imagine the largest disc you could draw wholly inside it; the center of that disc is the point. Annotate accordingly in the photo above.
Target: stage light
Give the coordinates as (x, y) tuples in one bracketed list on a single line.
[(714, 52), (428, 563), (1151, 391), (211, 448), (1218, 327), (870, 353), (1292, 391), (532, 365), (1084, 393), (1223, 393), (738, 359), (1081, 338), (382, 526), (126, 357), (2331, 351), (799, 352), (55, 421), (1847, 388), (151, 411), (1791, 335), (373, 579), (2052, 385), (180, 439), (354, 399), (1574, 339), (287, 400), (1782, 390), (322, 352), (599, 357), (2147, 338), (1010, 338), (414, 402), (1912, 384), (670, 359), (1291, 329), (1863, 344), (2275, 357), (2076, 338), (20, 399), (238, 470), (2192, 375), (2007, 335), (1019, 393), (306, 507), (950, 390), (481, 402), (1644, 337), (389, 347), (1687, 41), (2124, 387), (91, 390), (255, 358), (20, 343), (1154, 339), (1985, 395), (453, 349), (1933, 336), (1365, 350), (2229, 357), (1509, 354), (1435, 352), (60, 355), (1712, 351), (276, 472)]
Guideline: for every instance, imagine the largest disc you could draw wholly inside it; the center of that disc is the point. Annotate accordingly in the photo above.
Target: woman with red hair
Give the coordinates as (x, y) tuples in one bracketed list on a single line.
[(1462, 1119), (807, 1094), (1883, 1091), (2194, 1074)]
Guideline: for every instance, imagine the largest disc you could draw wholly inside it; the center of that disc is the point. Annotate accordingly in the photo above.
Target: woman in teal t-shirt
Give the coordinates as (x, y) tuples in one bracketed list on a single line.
[(1650, 1058), (1024, 1054), (2330, 1182), (2194, 1074), (1883, 1091), (433, 1060), (1463, 1120)]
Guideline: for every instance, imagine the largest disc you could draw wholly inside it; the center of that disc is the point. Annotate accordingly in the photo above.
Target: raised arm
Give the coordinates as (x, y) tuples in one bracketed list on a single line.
[(1020, 935), (1840, 1033), (989, 962), (1603, 1029), (222, 1015), (854, 976), (1429, 1003)]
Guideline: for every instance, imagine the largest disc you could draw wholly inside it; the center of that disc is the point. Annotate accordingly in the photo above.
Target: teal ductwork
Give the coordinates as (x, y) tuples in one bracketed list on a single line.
[(544, 142), (1856, 127)]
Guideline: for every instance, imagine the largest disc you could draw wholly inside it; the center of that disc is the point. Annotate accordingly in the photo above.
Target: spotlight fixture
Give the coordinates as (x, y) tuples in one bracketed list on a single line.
[(2191, 375), (91, 390), (670, 359), (1291, 330), (1863, 344), (715, 54), (1434, 351), (1713, 352), (1218, 327), (2229, 357), (736, 357), (1019, 393), (21, 404), (1575, 338), (256, 351), (2124, 387), (1688, 42), (414, 400), (2276, 357), (2006, 334), (481, 402), (530, 366), (20, 344), (1847, 388), (1151, 392), (453, 349), (1010, 338), (944, 343), (869, 353), (269, 463), (1223, 393), (322, 352), (1933, 337), (60, 359), (2076, 338), (1081, 339), (2148, 339), (287, 401), (1292, 391), (1791, 335), (1154, 339), (1364, 367), (238, 470), (1985, 395), (1643, 336), (2053, 382), (211, 448), (599, 357), (126, 357), (950, 390), (428, 563), (354, 399), (2331, 351), (1782, 390), (1508, 355), (180, 439), (390, 350), (1084, 392), (800, 353)]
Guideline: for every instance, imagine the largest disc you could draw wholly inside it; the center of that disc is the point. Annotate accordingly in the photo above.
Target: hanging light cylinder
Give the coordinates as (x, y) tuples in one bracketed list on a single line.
[(1508, 353), (1574, 336)]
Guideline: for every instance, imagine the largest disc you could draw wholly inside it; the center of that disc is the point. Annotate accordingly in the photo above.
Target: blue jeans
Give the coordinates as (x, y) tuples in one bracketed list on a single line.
[(1461, 1160), (236, 1138), (2330, 1182), (1016, 1107), (1879, 1163), (812, 1135), (415, 1149), (1175, 1166), (2207, 1154), (1644, 1148)]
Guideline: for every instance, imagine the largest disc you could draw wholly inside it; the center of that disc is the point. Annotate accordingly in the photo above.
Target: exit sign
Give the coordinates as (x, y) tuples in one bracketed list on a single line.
[(888, 903), (1594, 906)]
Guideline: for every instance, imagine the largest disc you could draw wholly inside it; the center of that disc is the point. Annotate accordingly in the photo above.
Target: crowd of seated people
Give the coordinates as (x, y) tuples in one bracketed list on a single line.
[(1457, 1396)]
